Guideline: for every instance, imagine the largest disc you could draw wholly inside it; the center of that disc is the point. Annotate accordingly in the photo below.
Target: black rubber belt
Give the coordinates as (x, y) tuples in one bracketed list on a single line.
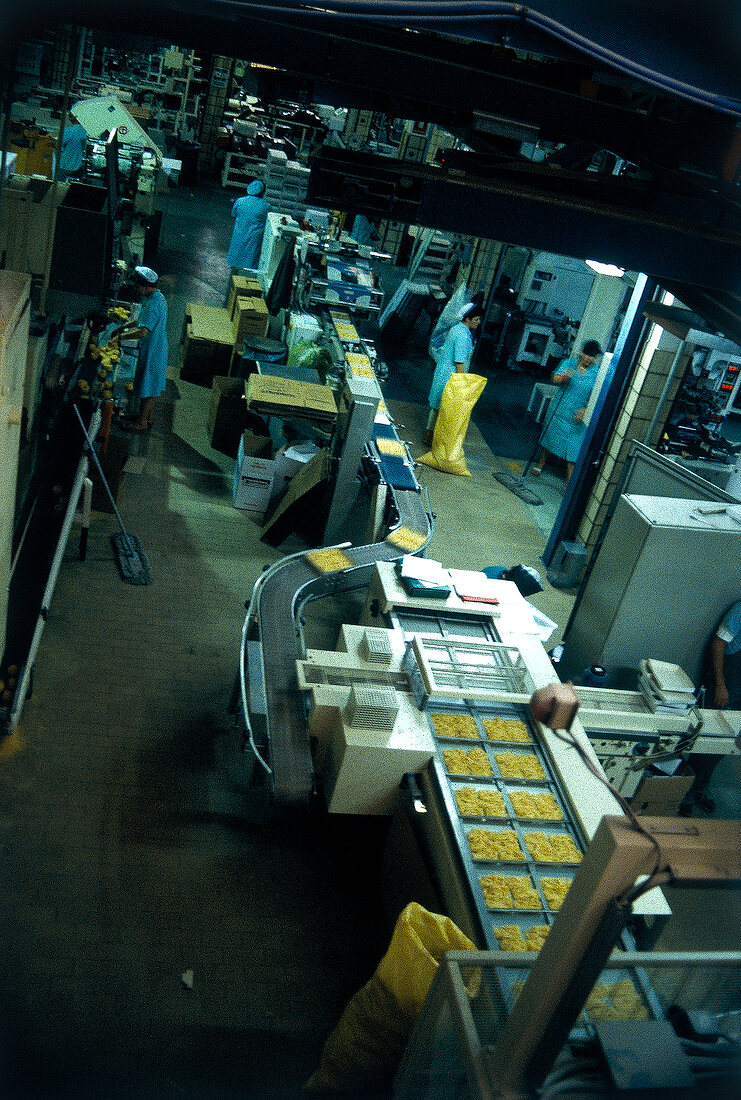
[(279, 606)]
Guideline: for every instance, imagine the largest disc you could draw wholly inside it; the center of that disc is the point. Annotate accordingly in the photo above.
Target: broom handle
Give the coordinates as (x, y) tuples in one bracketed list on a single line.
[(96, 460)]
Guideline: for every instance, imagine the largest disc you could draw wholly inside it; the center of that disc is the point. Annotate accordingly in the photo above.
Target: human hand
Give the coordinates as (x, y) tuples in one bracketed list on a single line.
[(720, 697), (579, 415), (555, 705)]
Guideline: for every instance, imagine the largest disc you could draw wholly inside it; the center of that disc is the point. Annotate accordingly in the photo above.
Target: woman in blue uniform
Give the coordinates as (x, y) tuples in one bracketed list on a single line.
[(72, 148), (565, 429), (151, 329), (455, 355), (250, 214)]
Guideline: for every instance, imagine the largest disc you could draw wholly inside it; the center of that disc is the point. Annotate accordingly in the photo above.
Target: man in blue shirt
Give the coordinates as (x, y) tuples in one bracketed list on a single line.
[(724, 691), (725, 660)]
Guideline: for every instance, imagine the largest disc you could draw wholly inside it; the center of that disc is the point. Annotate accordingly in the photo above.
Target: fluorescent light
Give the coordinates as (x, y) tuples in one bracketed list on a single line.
[(605, 269)]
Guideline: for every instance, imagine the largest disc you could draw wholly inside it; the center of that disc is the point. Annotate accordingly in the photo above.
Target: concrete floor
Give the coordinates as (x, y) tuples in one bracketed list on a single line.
[(120, 870)]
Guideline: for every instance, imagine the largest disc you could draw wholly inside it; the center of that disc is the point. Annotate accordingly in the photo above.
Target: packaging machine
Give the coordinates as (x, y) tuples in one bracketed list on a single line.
[(451, 680)]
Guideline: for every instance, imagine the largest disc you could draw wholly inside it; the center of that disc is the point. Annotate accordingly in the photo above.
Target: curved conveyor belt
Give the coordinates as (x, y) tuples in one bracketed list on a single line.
[(287, 587)]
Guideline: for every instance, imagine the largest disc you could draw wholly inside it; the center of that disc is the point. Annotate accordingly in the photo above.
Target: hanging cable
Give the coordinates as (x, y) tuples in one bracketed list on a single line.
[(657, 876), (427, 12)]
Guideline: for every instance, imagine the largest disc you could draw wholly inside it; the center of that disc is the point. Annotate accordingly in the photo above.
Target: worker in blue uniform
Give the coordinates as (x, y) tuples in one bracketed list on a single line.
[(455, 356), (565, 428), (72, 148), (250, 213), (363, 230), (723, 683), (151, 329)]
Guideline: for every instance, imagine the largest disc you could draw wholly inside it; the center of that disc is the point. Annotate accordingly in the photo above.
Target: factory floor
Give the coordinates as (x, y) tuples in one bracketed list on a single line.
[(125, 866)]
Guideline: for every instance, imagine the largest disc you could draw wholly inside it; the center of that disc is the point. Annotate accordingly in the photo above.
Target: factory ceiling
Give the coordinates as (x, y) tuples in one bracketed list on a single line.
[(632, 107)]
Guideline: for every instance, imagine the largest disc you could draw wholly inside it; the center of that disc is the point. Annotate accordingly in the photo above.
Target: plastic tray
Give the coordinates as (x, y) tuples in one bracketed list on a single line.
[(478, 866)]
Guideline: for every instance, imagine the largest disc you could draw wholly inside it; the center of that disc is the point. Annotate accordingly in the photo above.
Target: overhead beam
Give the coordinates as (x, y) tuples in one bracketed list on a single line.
[(422, 75), (520, 213)]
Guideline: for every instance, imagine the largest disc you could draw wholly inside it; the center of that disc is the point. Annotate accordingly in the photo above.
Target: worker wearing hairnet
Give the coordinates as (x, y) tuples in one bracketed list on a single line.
[(72, 148), (565, 428), (151, 329), (250, 214), (455, 356)]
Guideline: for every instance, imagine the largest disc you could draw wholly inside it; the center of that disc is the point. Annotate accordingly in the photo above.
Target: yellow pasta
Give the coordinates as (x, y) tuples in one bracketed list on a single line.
[(330, 560), (500, 844), (473, 803), (559, 848), (615, 1001), (496, 892), (524, 894), (446, 724), (509, 892), (535, 936), (510, 938), (506, 729), (467, 762), (519, 765), (406, 539), (391, 446), (543, 805), (627, 1001), (555, 890)]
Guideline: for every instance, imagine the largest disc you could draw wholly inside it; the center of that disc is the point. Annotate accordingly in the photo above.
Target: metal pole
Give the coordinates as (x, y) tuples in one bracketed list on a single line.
[(22, 690), (662, 399)]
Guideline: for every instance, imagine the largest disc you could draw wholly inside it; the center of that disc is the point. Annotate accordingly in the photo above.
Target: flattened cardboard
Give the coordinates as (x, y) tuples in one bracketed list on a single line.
[(286, 397)]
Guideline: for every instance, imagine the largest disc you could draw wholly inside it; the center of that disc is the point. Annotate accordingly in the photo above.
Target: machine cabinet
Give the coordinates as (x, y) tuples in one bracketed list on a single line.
[(665, 574)]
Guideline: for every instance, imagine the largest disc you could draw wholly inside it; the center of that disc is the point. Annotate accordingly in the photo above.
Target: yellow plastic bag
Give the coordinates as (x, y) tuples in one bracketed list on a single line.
[(461, 393), (367, 1044)]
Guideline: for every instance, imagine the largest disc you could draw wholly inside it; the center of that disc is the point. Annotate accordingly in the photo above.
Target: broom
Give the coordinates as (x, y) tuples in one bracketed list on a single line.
[(517, 485), (132, 562)]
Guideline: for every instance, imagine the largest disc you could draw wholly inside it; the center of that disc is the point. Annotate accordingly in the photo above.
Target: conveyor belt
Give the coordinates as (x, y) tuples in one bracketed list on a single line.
[(282, 595)]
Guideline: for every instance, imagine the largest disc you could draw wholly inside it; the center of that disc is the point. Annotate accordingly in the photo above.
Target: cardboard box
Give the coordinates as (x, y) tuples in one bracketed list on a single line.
[(227, 411), (242, 286), (660, 796), (289, 460), (250, 318), (253, 476), (289, 397), (302, 502), (206, 343)]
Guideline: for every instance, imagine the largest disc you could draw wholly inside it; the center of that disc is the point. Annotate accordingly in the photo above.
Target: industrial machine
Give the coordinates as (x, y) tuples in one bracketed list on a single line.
[(580, 1018), (438, 687)]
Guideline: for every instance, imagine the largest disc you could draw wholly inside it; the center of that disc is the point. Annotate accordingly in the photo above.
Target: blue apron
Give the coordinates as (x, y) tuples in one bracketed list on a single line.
[(153, 350)]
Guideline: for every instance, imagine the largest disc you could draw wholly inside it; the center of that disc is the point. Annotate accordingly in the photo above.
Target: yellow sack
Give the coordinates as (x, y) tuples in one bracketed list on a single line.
[(419, 941), (461, 393), (367, 1044)]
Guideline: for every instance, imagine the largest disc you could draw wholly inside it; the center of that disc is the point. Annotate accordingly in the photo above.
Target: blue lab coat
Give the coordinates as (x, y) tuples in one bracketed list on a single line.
[(74, 142), (362, 230), (563, 435), (153, 349), (251, 213), (458, 348), (730, 631)]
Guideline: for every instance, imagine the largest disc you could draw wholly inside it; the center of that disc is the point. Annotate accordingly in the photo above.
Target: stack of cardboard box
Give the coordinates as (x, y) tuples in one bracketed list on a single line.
[(212, 338)]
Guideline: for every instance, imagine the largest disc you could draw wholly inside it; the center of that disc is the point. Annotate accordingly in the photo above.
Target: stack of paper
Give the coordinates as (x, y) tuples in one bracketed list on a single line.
[(422, 576), (667, 688)]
